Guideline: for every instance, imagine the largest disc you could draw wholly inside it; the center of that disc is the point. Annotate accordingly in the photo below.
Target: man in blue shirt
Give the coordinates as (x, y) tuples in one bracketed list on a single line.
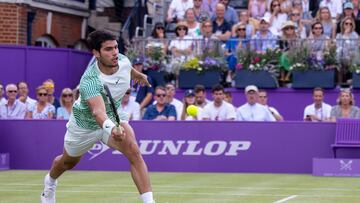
[(161, 110)]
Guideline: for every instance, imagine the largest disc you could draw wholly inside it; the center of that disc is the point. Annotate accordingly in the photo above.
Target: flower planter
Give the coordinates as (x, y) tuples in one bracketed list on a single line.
[(262, 79), (190, 78), (355, 80), (157, 77), (312, 79)]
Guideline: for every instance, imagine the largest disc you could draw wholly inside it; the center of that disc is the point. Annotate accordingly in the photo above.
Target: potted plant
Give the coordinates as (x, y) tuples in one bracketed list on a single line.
[(155, 64), (311, 70), (260, 69)]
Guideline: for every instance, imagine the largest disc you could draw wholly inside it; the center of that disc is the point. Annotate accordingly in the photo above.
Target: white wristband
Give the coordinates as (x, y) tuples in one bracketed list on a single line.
[(108, 125)]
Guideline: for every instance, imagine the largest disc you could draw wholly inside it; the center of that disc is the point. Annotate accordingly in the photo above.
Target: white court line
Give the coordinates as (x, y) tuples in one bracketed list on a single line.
[(286, 199), (187, 187)]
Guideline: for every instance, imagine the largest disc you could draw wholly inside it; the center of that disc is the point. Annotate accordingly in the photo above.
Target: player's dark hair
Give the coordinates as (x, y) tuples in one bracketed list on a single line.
[(217, 88), (96, 38)]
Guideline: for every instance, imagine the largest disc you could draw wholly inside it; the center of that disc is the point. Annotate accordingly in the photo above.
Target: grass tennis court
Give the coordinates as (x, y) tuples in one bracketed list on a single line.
[(93, 186)]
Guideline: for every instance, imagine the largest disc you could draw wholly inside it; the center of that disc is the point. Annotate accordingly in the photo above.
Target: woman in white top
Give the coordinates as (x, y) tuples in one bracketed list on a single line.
[(192, 24), (277, 18), (42, 109), (66, 101), (181, 46)]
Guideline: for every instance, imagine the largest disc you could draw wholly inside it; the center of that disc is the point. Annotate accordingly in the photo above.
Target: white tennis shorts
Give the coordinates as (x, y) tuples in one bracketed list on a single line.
[(79, 140)]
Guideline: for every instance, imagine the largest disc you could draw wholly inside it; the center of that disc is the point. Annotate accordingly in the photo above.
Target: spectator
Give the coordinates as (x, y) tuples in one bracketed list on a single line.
[(276, 17), (252, 110), (257, 8), (200, 96), (200, 13), (181, 46), (170, 93), (209, 6), (347, 45), (345, 107), (24, 95), (317, 40), (130, 106), (323, 15), (319, 110), (177, 10), (335, 7), (192, 24), (356, 9), (143, 94), (42, 108), (295, 17), (207, 42), (2, 99), (218, 110), (250, 25), (158, 38), (285, 6), (161, 110), (229, 99), (189, 99), (348, 11), (230, 13), (66, 100), (221, 28), (305, 16), (263, 99), (13, 108), (263, 39), (50, 88)]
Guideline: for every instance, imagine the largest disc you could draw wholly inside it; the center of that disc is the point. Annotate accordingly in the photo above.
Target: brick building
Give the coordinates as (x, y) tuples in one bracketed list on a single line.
[(47, 23)]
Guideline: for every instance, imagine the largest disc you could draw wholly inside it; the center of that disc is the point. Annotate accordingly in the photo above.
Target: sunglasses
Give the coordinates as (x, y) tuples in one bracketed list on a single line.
[(67, 95), (160, 28), (295, 14), (160, 95), (127, 92), (181, 28), (241, 29), (275, 5), (348, 24), (318, 28), (289, 28), (42, 94), (12, 91)]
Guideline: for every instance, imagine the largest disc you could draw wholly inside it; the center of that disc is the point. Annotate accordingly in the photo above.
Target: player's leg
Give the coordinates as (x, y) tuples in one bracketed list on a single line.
[(139, 171)]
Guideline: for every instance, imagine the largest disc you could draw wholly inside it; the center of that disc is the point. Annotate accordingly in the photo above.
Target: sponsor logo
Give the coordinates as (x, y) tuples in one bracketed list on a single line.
[(117, 81), (182, 147), (3, 159), (346, 165)]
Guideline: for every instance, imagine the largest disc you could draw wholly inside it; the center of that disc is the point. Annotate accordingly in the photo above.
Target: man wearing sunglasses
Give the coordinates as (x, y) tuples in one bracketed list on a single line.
[(161, 110), (13, 108)]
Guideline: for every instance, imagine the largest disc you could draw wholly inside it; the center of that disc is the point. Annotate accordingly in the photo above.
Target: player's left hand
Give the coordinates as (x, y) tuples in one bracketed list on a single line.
[(118, 133), (141, 79)]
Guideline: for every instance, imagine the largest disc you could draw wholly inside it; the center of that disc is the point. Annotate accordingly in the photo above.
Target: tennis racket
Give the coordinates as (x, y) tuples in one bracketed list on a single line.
[(112, 105)]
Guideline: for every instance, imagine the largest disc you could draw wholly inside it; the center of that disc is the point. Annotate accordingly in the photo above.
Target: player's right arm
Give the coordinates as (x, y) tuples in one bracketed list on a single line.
[(98, 111)]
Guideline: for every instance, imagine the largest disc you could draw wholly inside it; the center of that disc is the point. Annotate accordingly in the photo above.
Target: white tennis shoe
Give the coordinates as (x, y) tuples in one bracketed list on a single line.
[(48, 195)]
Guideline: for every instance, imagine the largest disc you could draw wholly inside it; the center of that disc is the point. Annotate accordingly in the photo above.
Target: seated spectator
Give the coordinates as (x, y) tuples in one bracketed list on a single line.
[(209, 6), (207, 42), (218, 110), (276, 18), (2, 99), (50, 88), (181, 47), (318, 41), (230, 13), (170, 99), (161, 110), (130, 106), (347, 47), (66, 100), (335, 7), (345, 107), (192, 24), (12, 108), (24, 95), (200, 96), (200, 13), (143, 94), (229, 99), (323, 15), (158, 38), (295, 17), (189, 99), (319, 110), (305, 16), (257, 8), (263, 39), (221, 28), (42, 108), (356, 9), (348, 11), (263, 99), (177, 10), (252, 110), (250, 25)]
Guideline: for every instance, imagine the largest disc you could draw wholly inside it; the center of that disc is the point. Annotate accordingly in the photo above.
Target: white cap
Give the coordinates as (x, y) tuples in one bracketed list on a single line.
[(265, 18), (251, 88)]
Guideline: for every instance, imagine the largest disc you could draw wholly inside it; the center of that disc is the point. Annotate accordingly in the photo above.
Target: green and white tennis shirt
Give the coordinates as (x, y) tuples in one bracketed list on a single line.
[(92, 85)]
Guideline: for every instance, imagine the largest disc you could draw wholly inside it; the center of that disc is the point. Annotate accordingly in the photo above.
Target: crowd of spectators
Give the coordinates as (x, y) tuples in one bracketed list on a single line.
[(265, 24)]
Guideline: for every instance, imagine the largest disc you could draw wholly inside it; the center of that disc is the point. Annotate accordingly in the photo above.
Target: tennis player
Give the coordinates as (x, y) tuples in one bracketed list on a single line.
[(92, 119)]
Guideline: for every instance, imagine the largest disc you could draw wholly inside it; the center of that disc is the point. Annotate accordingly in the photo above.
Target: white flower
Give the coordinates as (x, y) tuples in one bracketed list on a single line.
[(357, 71)]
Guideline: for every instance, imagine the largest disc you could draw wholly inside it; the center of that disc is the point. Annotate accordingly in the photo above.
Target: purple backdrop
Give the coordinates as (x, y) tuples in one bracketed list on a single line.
[(36, 64), (285, 147)]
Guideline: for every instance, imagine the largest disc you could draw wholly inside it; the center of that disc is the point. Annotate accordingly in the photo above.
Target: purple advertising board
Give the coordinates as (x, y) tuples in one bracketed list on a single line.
[(4, 161), (336, 167), (277, 147)]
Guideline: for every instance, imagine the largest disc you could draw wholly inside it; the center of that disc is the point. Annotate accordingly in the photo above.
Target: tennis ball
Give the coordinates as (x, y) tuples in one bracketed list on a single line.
[(192, 110)]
